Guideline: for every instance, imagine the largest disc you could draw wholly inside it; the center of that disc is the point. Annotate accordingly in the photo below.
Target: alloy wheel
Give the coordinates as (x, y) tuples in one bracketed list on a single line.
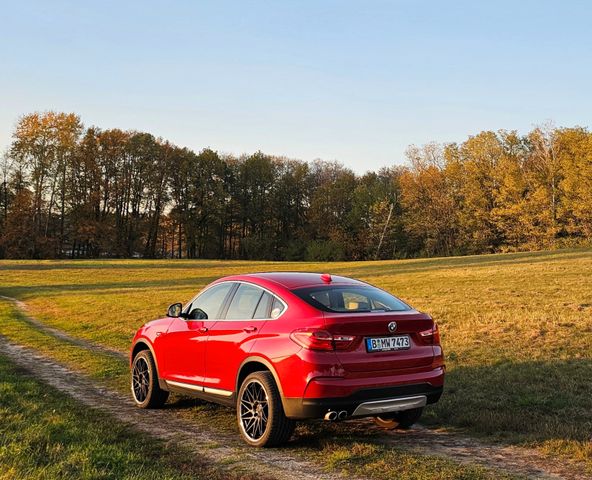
[(254, 410), (140, 379)]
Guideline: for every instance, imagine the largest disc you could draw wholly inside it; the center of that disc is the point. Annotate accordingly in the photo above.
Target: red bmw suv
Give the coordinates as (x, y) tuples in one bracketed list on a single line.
[(287, 346)]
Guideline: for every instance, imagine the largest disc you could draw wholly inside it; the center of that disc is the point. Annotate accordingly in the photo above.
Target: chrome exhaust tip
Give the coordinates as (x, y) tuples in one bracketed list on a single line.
[(331, 416), (342, 415)]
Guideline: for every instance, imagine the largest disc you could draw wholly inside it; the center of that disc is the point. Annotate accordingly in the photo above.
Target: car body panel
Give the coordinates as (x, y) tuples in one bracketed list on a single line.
[(183, 348), (208, 356), (375, 325), (229, 344)]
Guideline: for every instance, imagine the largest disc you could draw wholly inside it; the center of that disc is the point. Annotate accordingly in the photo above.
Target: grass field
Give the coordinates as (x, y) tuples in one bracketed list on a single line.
[(44, 434), (516, 328)]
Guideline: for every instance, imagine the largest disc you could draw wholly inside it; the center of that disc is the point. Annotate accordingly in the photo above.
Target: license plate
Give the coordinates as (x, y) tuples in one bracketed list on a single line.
[(388, 344)]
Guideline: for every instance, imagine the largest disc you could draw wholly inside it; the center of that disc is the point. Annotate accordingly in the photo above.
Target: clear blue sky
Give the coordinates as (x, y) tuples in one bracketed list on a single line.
[(352, 81)]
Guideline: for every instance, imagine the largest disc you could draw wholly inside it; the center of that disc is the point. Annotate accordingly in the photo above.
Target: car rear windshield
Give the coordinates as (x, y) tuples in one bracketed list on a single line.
[(351, 299)]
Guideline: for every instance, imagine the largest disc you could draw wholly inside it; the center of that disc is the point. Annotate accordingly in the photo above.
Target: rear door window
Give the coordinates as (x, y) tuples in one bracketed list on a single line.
[(244, 303), (277, 308)]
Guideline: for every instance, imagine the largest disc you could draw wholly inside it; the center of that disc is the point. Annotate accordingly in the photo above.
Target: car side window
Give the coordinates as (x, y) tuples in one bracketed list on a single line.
[(262, 310), (244, 302), (322, 297), (209, 303), (276, 308)]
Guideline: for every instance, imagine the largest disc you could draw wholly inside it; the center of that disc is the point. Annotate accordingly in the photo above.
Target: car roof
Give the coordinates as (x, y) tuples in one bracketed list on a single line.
[(294, 280)]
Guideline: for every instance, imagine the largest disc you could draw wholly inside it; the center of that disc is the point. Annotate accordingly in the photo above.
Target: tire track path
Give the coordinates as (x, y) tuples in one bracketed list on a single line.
[(61, 335)]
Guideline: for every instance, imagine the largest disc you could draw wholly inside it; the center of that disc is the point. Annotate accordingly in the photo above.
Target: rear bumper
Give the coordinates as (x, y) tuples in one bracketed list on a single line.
[(376, 407), (365, 402)]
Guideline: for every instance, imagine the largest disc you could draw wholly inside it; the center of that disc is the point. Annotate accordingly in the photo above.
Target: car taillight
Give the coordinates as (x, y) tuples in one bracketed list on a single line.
[(431, 336), (314, 339)]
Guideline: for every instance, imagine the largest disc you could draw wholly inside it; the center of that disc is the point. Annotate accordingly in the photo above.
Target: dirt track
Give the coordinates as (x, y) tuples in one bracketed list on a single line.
[(281, 464), (164, 423)]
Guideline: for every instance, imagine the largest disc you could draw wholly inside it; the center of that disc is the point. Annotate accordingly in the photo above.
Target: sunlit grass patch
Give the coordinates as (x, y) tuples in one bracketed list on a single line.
[(380, 462), (46, 435)]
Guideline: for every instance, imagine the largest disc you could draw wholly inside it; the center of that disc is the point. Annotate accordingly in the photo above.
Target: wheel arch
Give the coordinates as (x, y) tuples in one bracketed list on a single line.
[(257, 364), (141, 345)]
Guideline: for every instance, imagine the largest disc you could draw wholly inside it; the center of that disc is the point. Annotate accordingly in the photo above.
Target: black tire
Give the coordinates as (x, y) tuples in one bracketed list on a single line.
[(402, 420), (144, 382), (260, 414)]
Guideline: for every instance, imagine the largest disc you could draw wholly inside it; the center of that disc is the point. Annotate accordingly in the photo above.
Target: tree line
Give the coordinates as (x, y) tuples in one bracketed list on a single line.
[(71, 191)]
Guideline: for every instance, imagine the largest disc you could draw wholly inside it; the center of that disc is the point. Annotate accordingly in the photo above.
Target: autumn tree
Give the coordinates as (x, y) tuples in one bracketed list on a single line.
[(44, 144), (431, 217), (543, 174), (574, 189), (512, 212), (16, 240)]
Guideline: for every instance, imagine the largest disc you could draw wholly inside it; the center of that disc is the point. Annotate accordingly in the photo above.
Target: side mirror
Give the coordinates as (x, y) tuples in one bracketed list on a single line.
[(175, 310), (198, 314)]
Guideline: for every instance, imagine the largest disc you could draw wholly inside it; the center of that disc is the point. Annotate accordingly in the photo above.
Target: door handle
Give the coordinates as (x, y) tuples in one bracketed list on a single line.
[(250, 329), (202, 329)]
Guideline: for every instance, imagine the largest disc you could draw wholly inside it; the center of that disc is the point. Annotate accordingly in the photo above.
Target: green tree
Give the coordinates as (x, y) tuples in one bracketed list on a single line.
[(480, 158), (331, 217)]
